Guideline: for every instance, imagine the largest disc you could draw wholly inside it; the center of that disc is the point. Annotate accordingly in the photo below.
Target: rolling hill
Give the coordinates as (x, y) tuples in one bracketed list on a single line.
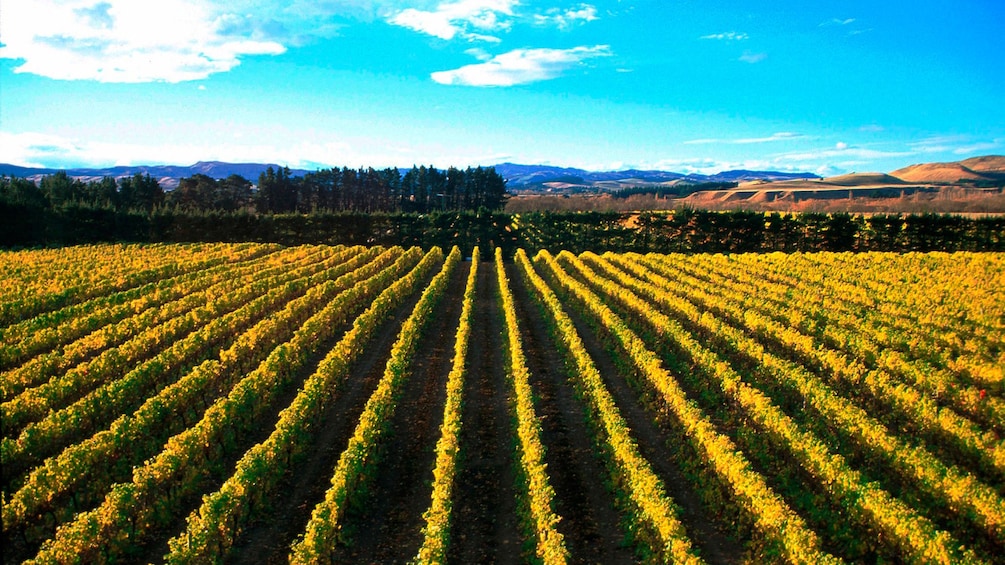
[(988, 168)]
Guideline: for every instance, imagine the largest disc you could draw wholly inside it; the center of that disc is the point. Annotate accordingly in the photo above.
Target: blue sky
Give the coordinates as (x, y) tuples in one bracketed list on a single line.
[(690, 86)]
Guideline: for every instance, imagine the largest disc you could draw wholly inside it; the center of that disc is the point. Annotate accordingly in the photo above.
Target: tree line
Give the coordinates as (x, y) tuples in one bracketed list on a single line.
[(679, 190), (685, 230), (420, 189)]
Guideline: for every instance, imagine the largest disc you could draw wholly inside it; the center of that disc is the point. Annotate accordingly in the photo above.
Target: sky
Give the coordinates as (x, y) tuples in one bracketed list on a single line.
[(828, 87)]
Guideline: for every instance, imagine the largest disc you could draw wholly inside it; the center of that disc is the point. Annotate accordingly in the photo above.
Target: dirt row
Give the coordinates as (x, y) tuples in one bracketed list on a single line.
[(384, 523)]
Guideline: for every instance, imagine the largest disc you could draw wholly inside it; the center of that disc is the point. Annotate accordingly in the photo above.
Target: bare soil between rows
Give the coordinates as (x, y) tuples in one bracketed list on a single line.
[(649, 431), (590, 520), (268, 541), (485, 527), (387, 526)]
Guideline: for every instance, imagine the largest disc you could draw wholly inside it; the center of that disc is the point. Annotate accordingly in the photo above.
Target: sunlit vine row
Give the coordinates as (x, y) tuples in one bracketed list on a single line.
[(85, 272), (788, 306), (131, 509), (784, 532), (216, 322), (537, 491), (651, 508), (82, 468), (317, 543), (438, 517), (914, 535), (958, 431), (48, 341)]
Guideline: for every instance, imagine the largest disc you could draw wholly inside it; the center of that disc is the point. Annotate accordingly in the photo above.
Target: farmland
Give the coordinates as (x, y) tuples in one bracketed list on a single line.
[(256, 403)]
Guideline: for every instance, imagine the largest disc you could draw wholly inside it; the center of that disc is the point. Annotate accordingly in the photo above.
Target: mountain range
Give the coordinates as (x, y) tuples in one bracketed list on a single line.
[(520, 178), (550, 179)]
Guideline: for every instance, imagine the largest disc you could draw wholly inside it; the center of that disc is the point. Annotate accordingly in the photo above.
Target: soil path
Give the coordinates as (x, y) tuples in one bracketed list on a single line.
[(589, 516), (269, 539), (485, 528), (387, 527), (714, 545)]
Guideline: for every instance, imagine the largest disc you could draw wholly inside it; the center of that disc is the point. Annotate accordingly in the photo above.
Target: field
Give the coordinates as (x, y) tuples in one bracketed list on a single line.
[(254, 403)]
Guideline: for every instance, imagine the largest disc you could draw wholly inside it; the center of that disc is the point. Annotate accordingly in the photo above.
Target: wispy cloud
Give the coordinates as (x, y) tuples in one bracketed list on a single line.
[(728, 36), (955, 144), (837, 22), (126, 41), (845, 23), (978, 147), (565, 19), (470, 19), (521, 66), (751, 57), (779, 136), (32, 149), (53, 151), (843, 151)]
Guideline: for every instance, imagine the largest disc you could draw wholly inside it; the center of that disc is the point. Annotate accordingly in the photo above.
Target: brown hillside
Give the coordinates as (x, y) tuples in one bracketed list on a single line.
[(937, 172), (862, 179), (986, 164)]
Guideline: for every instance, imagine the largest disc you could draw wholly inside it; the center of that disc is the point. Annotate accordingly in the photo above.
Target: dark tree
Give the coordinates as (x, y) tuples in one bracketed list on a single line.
[(140, 192), (62, 189), (22, 192)]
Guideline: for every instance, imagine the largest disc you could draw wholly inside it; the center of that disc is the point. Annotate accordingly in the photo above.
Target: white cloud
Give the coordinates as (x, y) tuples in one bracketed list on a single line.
[(479, 54), (977, 147), (838, 22), (779, 136), (52, 151), (126, 41), (460, 18), (728, 36), (956, 144), (706, 166), (751, 57), (567, 18), (844, 151), (520, 66)]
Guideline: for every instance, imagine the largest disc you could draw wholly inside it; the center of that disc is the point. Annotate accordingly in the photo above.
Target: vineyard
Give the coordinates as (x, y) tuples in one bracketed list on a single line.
[(256, 403)]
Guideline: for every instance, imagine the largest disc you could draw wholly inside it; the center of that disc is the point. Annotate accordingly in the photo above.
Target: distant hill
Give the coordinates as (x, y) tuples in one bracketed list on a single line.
[(536, 179), (986, 164), (520, 178), (544, 178), (863, 179), (167, 175), (989, 168)]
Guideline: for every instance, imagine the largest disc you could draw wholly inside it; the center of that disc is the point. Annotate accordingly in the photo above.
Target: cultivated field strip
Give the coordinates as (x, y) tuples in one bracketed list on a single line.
[(131, 511), (82, 469), (40, 281), (954, 487), (184, 317), (644, 496), (895, 403), (53, 332), (536, 494), (213, 326), (784, 532), (253, 403), (826, 336), (438, 517), (898, 329)]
